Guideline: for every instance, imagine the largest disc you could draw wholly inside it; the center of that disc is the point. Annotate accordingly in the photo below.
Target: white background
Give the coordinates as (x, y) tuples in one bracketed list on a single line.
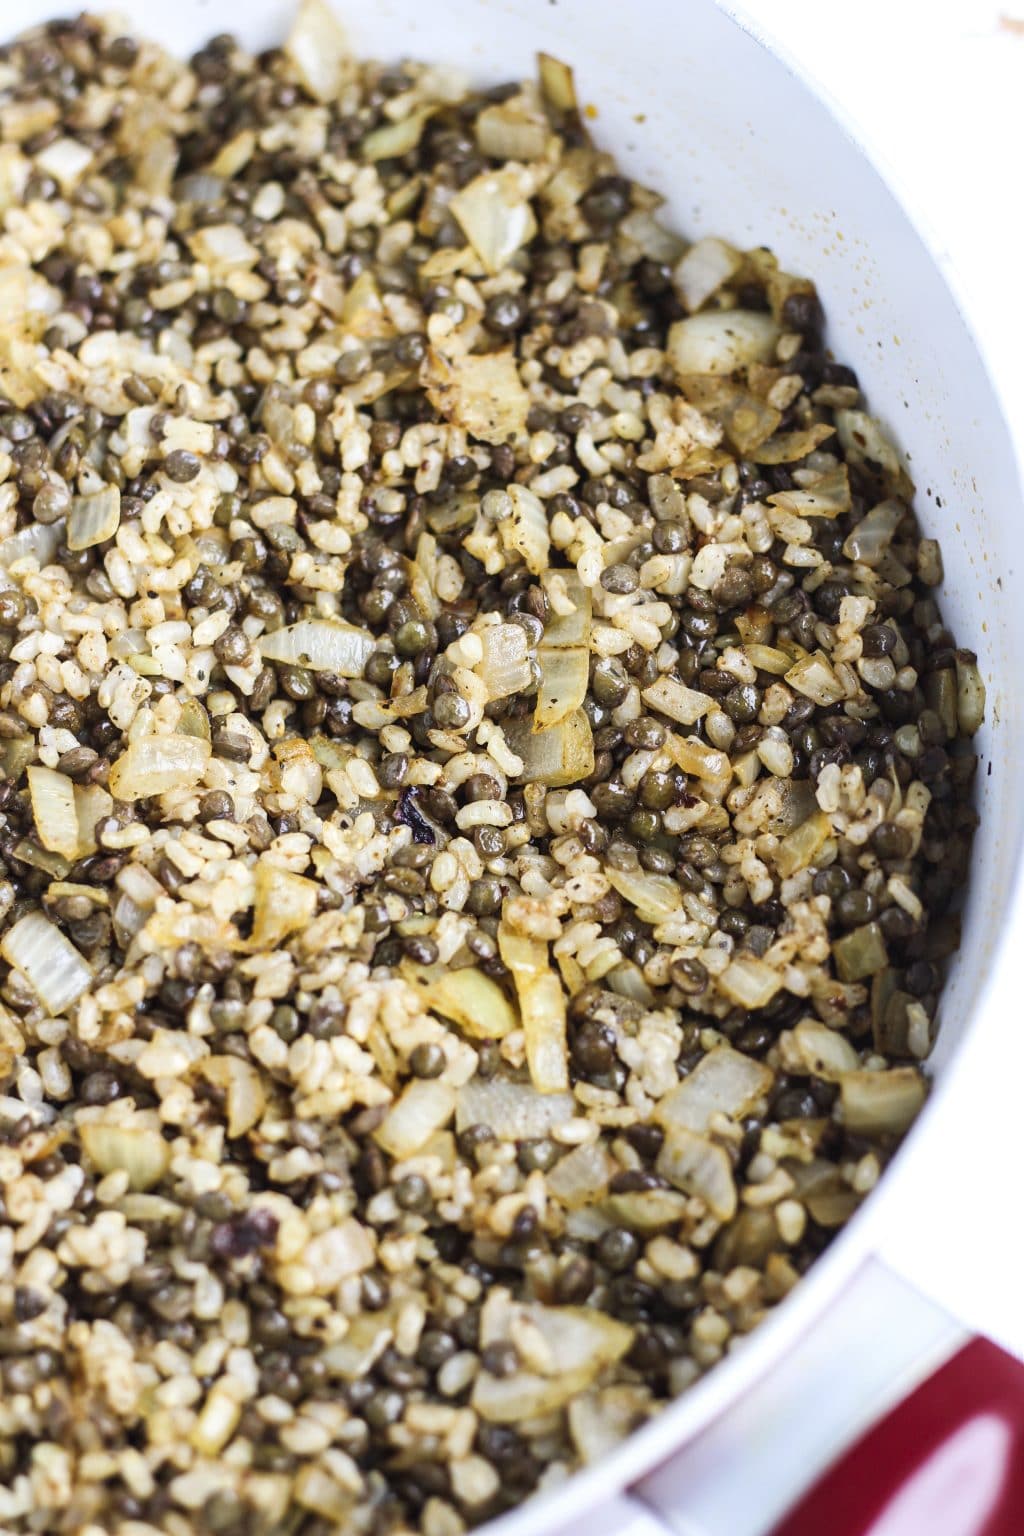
[(934, 89)]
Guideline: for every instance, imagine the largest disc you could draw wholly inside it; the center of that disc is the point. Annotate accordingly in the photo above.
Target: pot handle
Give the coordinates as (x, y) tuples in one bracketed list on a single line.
[(898, 1421)]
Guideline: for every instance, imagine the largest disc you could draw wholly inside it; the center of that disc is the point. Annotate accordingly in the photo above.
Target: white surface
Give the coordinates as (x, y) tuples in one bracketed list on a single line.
[(787, 1434), (934, 89)]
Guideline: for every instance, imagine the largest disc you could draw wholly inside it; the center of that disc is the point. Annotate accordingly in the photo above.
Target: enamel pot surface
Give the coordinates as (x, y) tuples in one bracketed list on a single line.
[(866, 1368)]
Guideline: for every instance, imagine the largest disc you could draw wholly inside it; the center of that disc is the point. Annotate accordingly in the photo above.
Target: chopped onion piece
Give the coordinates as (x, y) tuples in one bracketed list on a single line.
[(38, 541), (50, 963), (242, 1085), (827, 497), (556, 757), (582, 1176), (470, 999), (94, 518), (860, 953), (695, 757), (524, 529), (563, 684), (767, 658), (703, 270), (789, 446), (318, 49), (566, 629), (699, 1167), (541, 1007), (720, 340), (651, 238), (138, 1150), (824, 1052), (53, 810), (655, 897), (393, 140), (880, 1103), (646, 1210), (601, 1420), (723, 1082), (152, 765), (505, 665), (514, 1111), (557, 83), (485, 395), (323, 645), (872, 536), (578, 1342), (672, 698), (749, 982), (368, 1336), (92, 804), (425, 1106), (495, 214), (863, 436), (814, 678), (514, 129), (799, 848), (970, 693), (284, 903)]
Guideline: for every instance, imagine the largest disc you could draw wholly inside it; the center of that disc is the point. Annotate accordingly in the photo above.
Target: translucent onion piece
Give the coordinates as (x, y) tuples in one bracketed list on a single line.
[(577, 1344), (53, 810), (284, 903), (646, 1210), (695, 757), (557, 83), (699, 1167), (318, 49), (155, 764), (860, 953), (827, 497), (651, 238), (40, 541), (749, 423), (749, 982), (582, 1176), (874, 533), (824, 1052), (514, 1111), (138, 1150), (425, 1106), (94, 518), (723, 1082), (970, 693), (525, 529), (556, 757), (368, 1336), (515, 129), (541, 1007), (703, 270), (323, 645), (244, 1095), (601, 1420), (396, 139), (864, 437), (789, 446), (672, 698), (814, 678), (655, 897), (505, 665), (566, 629), (563, 684), (485, 395), (798, 848), (92, 804), (495, 214), (50, 963), (879, 1103), (470, 999), (720, 341)]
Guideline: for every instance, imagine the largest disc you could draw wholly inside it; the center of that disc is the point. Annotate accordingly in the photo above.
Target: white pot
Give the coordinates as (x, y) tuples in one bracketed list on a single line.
[(695, 105)]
